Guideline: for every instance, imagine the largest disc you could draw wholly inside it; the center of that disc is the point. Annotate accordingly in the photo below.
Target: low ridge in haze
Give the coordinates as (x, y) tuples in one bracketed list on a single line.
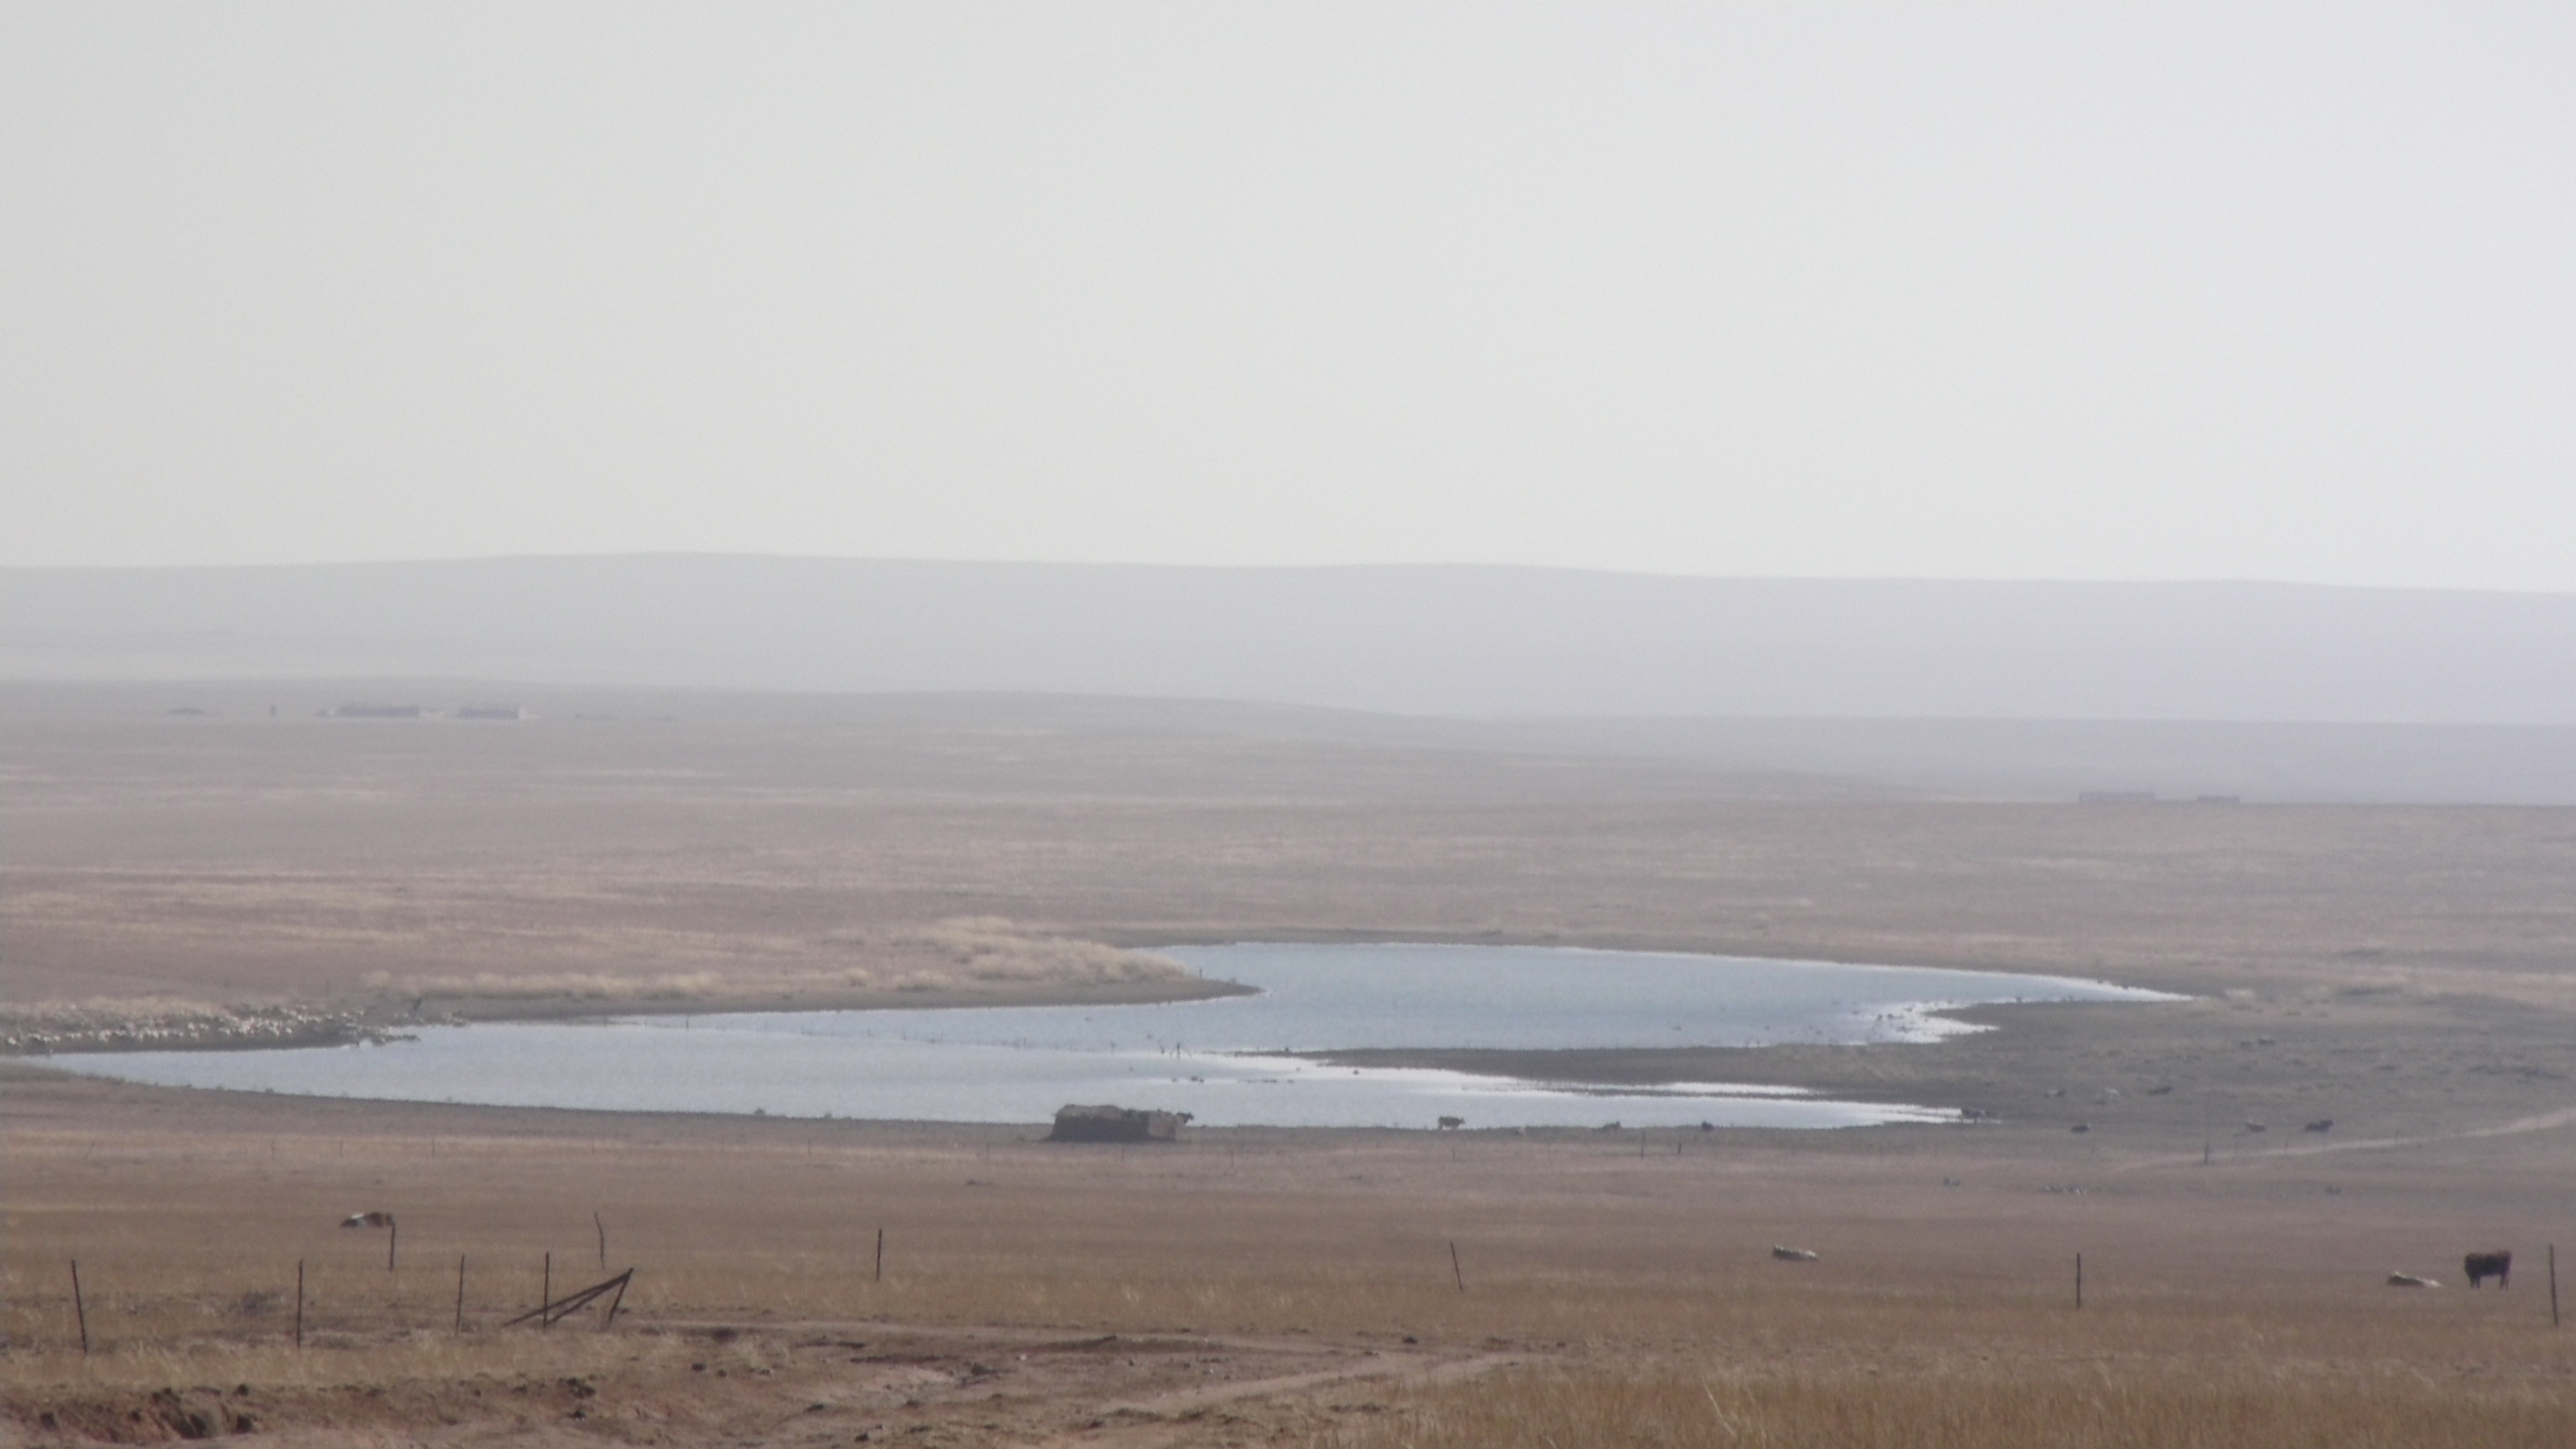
[(1469, 641)]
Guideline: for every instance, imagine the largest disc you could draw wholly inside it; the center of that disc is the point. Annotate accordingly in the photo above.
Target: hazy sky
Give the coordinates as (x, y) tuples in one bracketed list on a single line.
[(2058, 290)]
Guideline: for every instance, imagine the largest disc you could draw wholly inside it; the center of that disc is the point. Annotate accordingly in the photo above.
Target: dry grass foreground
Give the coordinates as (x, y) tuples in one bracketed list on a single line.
[(1254, 1287)]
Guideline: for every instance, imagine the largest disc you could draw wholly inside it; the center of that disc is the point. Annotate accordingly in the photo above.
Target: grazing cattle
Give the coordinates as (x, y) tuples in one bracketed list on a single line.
[(368, 1220), (2409, 1280), (2322, 1124), (1793, 1255), (2482, 1266), (2256, 1127), (1452, 1124)]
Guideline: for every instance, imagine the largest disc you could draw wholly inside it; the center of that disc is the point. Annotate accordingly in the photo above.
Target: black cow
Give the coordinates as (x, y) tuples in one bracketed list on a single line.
[(2497, 1265)]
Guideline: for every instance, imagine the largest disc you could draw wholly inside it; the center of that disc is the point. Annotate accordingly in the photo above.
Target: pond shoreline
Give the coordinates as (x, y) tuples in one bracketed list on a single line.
[(1364, 1035), (1985, 1071), (98, 1028)]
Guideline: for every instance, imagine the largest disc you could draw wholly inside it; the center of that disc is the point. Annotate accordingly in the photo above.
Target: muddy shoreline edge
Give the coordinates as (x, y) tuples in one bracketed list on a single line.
[(106, 1029)]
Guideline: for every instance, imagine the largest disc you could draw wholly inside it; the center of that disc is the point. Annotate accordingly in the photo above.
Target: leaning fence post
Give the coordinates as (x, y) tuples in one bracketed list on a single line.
[(606, 1323), (80, 1310), (1454, 1270)]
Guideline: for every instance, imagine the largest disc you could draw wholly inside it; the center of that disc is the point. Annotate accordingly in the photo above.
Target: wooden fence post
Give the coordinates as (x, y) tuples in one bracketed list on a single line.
[(555, 1310), (880, 1255), (603, 1237), (546, 1293), (299, 1303), (393, 1235), (2079, 1280), (460, 1292), (80, 1310), (1454, 1270), (2553, 1285)]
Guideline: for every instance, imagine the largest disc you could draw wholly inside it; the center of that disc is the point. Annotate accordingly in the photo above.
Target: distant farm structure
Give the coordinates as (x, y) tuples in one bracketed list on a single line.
[(491, 711), (1105, 1123)]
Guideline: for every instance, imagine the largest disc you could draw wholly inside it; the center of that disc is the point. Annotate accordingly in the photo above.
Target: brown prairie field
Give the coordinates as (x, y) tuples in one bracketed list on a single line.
[(2408, 973)]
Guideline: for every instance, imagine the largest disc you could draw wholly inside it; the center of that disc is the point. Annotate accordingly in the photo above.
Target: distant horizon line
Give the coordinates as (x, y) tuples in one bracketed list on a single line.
[(342, 684), (714, 555)]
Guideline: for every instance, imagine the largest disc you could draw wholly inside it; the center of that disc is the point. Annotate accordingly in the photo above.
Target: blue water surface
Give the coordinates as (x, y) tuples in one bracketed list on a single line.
[(1225, 1060)]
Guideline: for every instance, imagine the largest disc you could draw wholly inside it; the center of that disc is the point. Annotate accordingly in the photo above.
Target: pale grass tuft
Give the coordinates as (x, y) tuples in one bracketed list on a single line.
[(989, 948), (570, 985), (148, 1010), (960, 954)]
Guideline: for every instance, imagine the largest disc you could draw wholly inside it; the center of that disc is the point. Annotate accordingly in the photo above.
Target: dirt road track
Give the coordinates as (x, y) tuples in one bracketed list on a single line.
[(2542, 1122), (1168, 1419)]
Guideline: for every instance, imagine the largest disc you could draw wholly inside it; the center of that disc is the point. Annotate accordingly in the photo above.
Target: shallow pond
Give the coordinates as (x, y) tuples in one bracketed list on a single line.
[(1225, 1060)]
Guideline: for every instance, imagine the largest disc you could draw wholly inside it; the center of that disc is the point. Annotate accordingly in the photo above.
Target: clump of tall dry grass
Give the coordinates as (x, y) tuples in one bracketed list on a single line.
[(148, 1009), (989, 948), (2148, 1406), (602, 986), (954, 954)]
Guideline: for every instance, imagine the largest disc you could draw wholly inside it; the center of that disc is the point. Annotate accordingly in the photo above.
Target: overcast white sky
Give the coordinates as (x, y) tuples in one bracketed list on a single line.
[(2066, 291)]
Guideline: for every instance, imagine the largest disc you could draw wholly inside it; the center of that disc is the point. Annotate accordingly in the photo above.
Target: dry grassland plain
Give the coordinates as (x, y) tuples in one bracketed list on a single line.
[(2408, 973)]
